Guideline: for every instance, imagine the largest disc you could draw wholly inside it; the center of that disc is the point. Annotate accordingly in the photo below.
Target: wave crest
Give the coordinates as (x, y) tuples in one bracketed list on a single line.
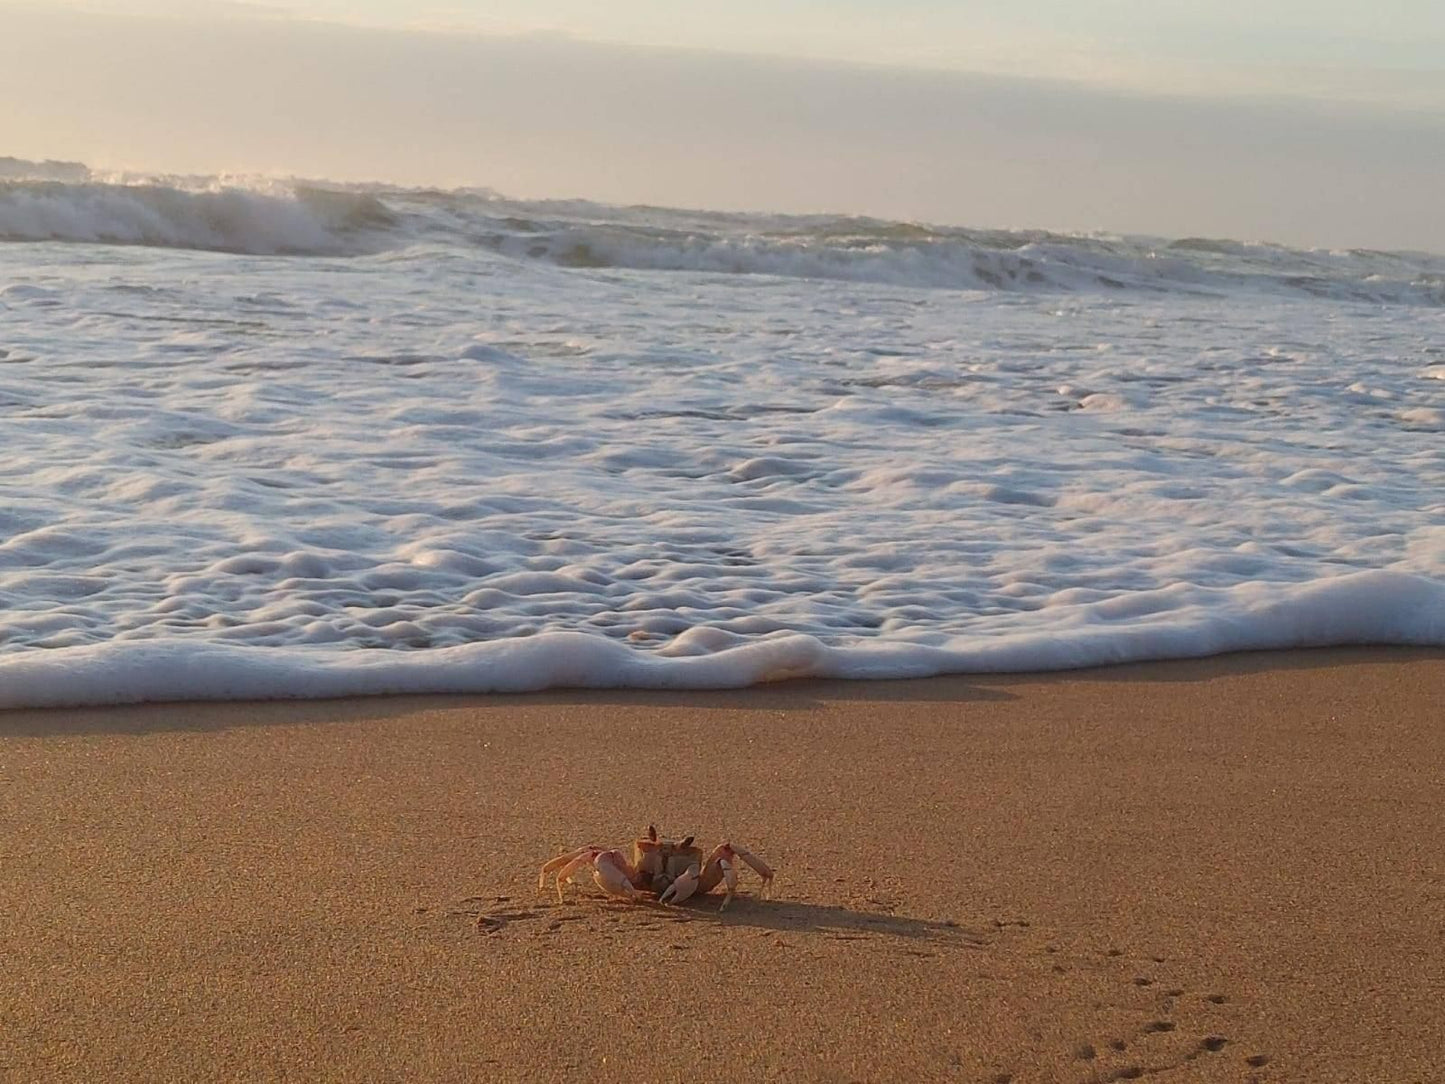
[(899, 254), (65, 201), (285, 221)]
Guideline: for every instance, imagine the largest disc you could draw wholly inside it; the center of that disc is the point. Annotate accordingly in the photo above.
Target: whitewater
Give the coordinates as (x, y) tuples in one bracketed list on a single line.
[(278, 439)]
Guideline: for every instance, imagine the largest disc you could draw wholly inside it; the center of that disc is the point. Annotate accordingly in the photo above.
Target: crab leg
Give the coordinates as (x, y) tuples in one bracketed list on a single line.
[(562, 860), (721, 867), (587, 857), (611, 870), (761, 868), (730, 880)]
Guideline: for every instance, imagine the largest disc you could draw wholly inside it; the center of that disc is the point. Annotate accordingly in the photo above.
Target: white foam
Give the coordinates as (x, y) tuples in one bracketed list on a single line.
[(437, 467), (1364, 608)]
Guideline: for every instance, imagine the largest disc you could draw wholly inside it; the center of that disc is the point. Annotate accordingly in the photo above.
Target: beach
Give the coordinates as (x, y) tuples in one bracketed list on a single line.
[(1226, 869), (997, 487)]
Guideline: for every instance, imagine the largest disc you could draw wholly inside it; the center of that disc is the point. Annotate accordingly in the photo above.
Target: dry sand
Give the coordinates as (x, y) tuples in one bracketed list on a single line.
[(1226, 870)]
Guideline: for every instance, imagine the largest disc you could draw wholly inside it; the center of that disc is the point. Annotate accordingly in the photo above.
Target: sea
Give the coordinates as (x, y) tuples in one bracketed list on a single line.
[(267, 438)]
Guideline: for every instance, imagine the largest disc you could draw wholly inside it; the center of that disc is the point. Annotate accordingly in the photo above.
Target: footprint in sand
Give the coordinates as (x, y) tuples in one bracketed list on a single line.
[(1163, 1010)]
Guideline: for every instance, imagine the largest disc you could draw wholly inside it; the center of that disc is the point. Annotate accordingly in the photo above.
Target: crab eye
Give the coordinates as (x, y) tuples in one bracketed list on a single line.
[(686, 842), (652, 832)]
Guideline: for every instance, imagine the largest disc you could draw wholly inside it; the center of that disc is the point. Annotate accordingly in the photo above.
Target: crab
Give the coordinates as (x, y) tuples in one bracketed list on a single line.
[(668, 871)]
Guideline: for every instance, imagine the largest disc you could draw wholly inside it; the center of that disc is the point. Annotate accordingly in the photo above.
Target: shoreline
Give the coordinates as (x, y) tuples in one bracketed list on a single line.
[(1232, 868)]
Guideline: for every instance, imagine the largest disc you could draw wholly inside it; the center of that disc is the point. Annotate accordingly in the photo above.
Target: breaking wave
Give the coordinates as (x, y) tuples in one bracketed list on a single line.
[(65, 202), (279, 220), (994, 260)]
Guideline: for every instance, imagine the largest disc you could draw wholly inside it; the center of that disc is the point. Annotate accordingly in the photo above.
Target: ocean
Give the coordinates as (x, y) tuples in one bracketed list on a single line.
[(272, 439)]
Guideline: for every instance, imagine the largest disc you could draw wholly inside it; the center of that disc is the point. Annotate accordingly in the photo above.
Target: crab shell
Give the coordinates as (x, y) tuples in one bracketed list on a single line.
[(659, 862)]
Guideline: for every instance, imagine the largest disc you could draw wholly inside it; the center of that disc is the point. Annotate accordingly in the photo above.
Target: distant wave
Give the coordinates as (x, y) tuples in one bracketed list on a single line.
[(65, 202), (901, 254), (286, 220), (49, 170)]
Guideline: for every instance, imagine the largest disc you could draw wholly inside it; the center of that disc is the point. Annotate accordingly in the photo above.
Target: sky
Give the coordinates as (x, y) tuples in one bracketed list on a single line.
[(1314, 123)]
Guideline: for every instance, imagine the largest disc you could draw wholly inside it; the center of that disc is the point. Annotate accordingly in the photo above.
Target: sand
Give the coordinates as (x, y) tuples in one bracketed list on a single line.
[(1230, 869)]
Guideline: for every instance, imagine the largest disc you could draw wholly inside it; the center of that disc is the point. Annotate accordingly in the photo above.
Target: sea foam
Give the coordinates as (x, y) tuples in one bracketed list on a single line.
[(450, 452), (1363, 608)]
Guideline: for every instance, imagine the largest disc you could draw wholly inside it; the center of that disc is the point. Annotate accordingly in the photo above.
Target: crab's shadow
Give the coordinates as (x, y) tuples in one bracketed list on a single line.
[(788, 916)]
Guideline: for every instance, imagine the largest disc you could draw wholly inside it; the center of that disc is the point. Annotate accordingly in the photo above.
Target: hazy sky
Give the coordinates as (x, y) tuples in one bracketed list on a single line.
[(1317, 122)]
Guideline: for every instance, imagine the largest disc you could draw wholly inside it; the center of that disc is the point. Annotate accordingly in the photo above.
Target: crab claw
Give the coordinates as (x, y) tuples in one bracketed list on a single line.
[(682, 888), (611, 874), (609, 869)]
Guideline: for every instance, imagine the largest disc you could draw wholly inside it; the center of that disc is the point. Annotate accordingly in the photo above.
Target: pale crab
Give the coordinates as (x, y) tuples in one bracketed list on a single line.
[(662, 869)]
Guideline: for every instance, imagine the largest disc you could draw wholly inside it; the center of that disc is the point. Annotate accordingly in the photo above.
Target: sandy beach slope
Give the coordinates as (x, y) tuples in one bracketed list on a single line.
[(1224, 870)]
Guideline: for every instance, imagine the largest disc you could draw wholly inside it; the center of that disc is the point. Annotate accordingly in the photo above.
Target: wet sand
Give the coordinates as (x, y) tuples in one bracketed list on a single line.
[(1221, 870)]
